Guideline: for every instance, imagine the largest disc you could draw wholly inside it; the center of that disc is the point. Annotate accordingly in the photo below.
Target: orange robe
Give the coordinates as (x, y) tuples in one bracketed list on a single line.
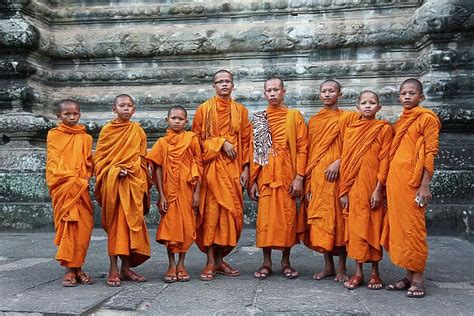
[(68, 170), (179, 155), (321, 224), (124, 201), (364, 162), (220, 218), (276, 217), (413, 150)]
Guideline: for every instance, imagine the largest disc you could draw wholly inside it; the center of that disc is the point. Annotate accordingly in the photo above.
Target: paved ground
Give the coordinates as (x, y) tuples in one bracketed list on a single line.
[(30, 283)]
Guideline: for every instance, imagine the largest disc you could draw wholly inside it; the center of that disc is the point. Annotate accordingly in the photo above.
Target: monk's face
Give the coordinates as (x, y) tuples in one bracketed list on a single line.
[(124, 107), (177, 120), (223, 84), (329, 93), (274, 92), (368, 105), (69, 113), (410, 95)]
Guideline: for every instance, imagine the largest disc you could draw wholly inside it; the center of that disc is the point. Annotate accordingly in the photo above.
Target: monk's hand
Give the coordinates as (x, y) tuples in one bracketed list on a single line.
[(424, 195), (376, 199), (344, 200), (196, 197), (123, 173), (245, 176), (229, 150), (163, 205), (332, 171), (296, 188), (253, 192)]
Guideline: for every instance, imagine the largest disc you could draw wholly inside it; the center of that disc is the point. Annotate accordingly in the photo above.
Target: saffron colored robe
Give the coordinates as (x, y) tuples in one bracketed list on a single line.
[(220, 217), (179, 155), (276, 217), (124, 201), (68, 170), (364, 162), (320, 222), (413, 150)]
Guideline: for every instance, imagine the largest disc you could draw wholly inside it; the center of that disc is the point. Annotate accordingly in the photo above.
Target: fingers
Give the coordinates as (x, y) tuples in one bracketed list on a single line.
[(308, 196), (331, 175)]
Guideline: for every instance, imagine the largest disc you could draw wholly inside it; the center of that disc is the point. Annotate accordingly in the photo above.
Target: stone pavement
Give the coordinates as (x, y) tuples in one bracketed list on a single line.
[(30, 283)]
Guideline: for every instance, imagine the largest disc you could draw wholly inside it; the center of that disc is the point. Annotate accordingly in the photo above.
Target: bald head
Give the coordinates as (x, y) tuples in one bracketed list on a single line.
[(68, 103)]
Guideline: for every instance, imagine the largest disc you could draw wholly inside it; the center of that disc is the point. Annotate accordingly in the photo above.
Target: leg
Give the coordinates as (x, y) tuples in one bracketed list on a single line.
[(223, 267), (170, 275), (114, 277), (207, 274), (182, 274), (357, 279), (341, 275), (69, 279), (375, 283), (286, 268), (417, 288), (266, 269), (128, 274), (329, 269)]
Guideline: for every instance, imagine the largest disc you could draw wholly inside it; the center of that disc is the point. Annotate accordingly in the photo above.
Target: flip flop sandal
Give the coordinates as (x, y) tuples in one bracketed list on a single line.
[(183, 276), (375, 283), (207, 274), (84, 278), (418, 288), (69, 282), (227, 270), (394, 287), (354, 282), (132, 276), (114, 280), (263, 272), (289, 272), (170, 276)]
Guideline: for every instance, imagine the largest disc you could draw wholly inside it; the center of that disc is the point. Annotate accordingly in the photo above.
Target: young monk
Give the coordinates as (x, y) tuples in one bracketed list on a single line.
[(320, 222), (68, 170), (224, 132), (412, 154), (177, 160), (364, 169), (280, 149), (122, 190)]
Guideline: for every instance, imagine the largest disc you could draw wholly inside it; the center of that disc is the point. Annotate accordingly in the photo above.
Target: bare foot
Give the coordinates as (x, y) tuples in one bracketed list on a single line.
[(323, 274), (341, 277)]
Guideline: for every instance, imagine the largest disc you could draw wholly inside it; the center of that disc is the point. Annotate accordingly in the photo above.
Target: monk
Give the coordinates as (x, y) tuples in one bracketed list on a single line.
[(320, 221), (177, 161), (224, 132), (122, 190), (412, 154), (364, 168), (279, 151), (68, 171)]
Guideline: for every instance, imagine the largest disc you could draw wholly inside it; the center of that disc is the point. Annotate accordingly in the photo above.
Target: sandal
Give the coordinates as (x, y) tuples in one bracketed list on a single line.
[(354, 282), (69, 280), (183, 276), (227, 270), (263, 272), (416, 290), (289, 272), (207, 274), (395, 287), (113, 280), (170, 276), (132, 276), (375, 283), (84, 278)]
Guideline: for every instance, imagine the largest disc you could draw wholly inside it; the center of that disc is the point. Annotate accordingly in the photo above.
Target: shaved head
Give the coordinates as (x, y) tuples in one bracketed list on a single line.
[(414, 82), (338, 85), (63, 103)]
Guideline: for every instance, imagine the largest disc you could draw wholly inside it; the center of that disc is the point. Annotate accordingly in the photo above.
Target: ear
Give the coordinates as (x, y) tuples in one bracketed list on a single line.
[(423, 98), (58, 115)]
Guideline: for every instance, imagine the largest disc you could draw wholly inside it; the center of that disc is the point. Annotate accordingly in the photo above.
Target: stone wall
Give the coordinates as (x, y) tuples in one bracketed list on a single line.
[(164, 53)]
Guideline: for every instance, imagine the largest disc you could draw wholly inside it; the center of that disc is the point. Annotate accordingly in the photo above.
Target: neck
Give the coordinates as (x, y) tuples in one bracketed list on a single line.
[(224, 97), (279, 105), (122, 120), (332, 107)]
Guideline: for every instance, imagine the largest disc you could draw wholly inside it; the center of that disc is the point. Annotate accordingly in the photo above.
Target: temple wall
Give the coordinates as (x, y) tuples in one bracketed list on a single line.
[(165, 52)]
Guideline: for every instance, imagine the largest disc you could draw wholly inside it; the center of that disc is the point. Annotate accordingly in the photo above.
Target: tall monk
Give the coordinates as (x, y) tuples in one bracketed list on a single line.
[(412, 154), (279, 162), (177, 161), (68, 170), (224, 132), (321, 224), (364, 169), (122, 190)]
